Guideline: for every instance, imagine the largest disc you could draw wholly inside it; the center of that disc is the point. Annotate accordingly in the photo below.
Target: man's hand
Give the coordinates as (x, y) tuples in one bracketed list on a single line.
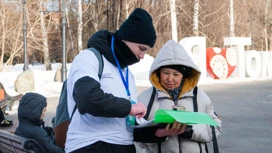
[(176, 129), (138, 110)]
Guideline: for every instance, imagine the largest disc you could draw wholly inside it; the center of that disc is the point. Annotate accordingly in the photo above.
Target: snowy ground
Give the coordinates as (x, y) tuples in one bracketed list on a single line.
[(45, 85)]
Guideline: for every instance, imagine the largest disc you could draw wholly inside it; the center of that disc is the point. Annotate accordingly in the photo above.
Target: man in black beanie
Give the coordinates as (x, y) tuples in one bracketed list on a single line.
[(106, 107), (138, 28)]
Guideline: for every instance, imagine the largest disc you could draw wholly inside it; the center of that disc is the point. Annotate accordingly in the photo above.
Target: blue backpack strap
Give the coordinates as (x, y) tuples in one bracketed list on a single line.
[(100, 69)]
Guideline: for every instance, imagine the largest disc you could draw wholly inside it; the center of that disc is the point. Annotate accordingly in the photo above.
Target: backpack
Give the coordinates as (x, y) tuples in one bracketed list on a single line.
[(62, 119)]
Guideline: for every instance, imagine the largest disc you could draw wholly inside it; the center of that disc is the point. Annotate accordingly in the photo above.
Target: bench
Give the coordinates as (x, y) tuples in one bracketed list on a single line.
[(8, 100), (11, 143)]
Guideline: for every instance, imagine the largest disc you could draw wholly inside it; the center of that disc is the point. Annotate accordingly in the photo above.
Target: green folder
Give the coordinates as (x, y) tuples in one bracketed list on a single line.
[(169, 116)]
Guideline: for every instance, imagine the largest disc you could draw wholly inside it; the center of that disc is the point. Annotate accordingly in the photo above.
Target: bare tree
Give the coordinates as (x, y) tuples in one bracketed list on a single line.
[(10, 32), (266, 22), (40, 22), (73, 52), (80, 26), (126, 8), (173, 20), (4, 30), (231, 18), (45, 49), (213, 22), (195, 18), (213, 19), (95, 18)]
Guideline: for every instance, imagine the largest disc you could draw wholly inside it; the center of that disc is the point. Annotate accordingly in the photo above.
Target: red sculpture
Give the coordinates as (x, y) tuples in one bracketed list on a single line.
[(220, 62)]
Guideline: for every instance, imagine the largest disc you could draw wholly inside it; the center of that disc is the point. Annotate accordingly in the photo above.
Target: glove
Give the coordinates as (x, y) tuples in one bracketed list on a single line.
[(188, 133)]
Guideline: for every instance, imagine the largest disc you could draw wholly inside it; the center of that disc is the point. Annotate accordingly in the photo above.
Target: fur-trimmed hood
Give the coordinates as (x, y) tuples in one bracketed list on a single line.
[(172, 53)]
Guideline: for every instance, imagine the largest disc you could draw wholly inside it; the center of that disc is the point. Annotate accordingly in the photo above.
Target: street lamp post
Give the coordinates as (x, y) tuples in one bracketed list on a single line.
[(24, 35), (63, 68)]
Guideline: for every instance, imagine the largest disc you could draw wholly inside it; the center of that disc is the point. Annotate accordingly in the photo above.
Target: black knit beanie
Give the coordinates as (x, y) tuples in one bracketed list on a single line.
[(138, 28)]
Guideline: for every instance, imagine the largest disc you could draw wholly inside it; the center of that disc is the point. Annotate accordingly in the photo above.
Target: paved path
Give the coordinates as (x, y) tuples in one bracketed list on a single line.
[(245, 109)]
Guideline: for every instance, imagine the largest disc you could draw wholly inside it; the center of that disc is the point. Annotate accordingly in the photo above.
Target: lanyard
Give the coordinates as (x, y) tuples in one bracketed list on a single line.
[(125, 81)]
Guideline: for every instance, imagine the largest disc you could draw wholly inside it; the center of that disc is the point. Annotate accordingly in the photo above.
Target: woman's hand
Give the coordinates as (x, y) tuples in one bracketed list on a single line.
[(176, 128)]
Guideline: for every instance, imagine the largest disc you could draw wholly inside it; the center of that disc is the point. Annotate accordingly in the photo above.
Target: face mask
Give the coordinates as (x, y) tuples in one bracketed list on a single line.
[(124, 54)]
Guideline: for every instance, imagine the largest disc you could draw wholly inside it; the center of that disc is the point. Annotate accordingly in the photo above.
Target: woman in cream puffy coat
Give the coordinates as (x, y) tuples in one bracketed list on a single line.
[(174, 75)]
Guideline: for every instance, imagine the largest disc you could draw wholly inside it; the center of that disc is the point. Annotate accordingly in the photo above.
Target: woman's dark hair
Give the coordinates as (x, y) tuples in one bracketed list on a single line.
[(184, 70)]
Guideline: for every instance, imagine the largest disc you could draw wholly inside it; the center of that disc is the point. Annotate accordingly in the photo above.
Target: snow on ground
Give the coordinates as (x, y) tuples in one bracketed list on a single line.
[(45, 85)]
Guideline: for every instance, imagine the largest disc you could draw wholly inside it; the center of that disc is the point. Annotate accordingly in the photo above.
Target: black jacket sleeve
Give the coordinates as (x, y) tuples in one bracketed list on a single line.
[(90, 98)]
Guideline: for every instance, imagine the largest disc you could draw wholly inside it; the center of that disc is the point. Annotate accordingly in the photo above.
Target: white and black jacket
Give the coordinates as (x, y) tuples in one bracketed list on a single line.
[(102, 105)]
